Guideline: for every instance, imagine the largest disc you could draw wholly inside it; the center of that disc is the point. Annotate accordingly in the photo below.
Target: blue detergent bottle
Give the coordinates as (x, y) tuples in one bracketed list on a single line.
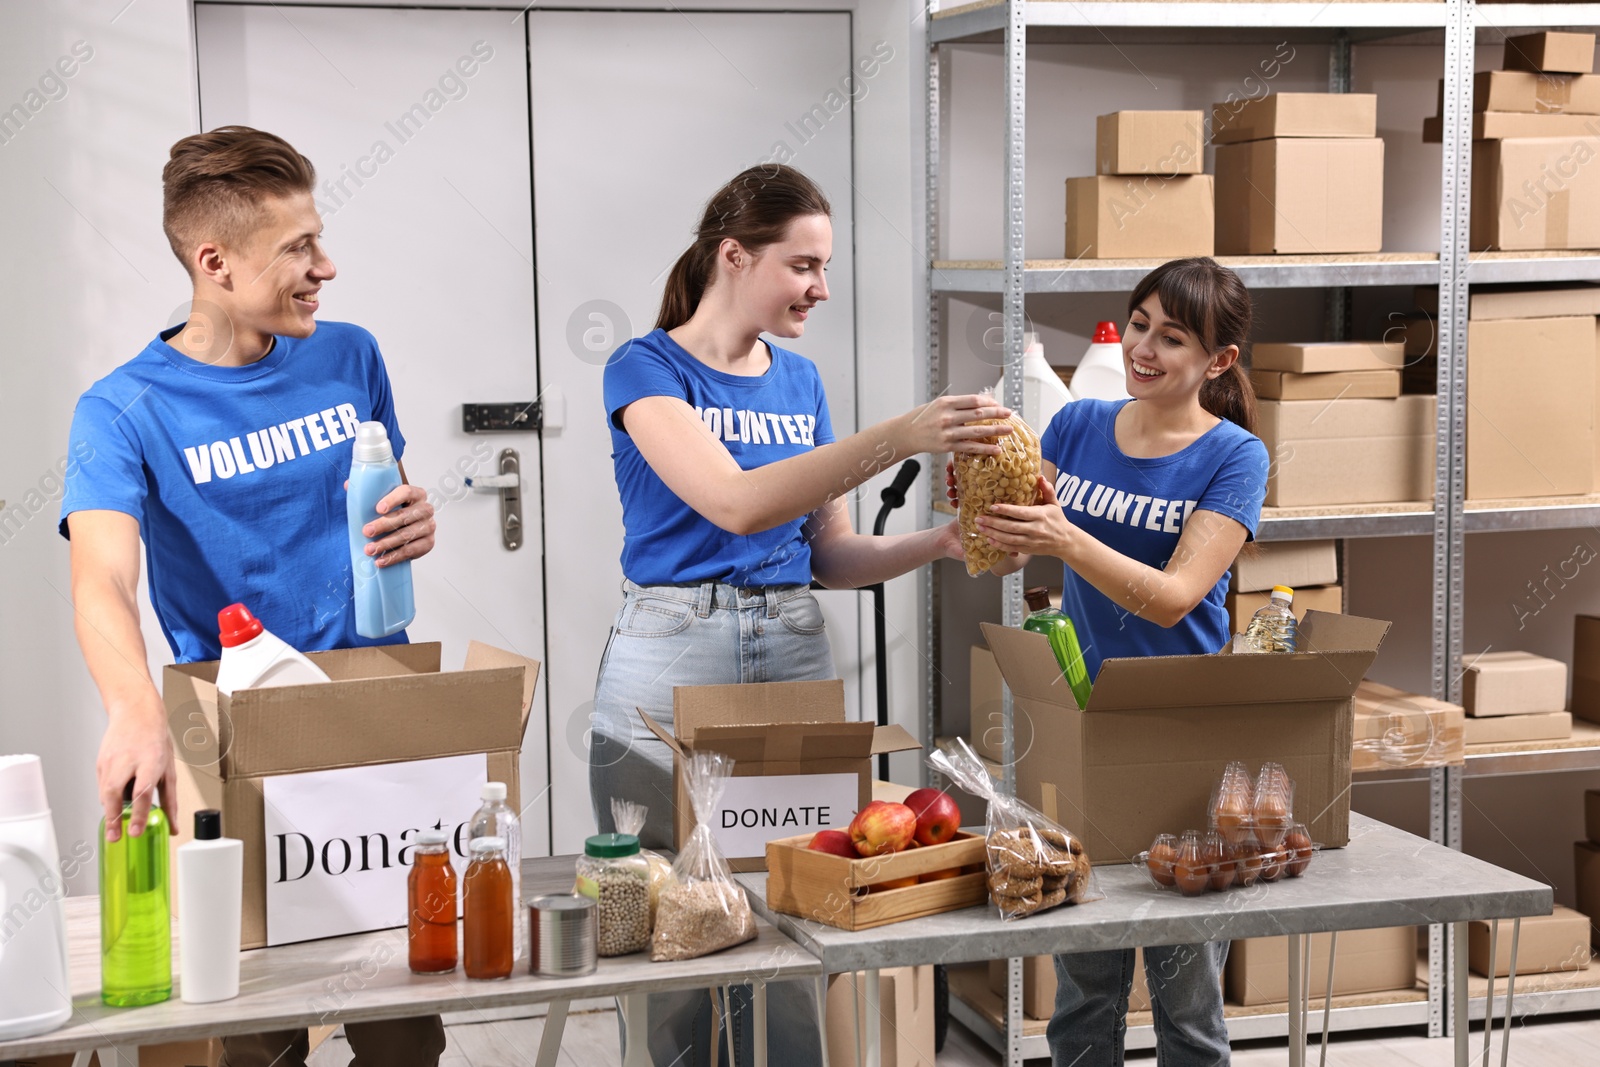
[(384, 601)]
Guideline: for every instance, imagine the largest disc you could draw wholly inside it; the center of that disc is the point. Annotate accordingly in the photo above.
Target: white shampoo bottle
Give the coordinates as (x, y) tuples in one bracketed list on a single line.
[(210, 900)]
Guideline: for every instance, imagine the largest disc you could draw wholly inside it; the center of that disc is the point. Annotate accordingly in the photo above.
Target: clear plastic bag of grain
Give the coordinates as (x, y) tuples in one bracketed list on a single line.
[(1012, 477), (701, 909), (630, 818)]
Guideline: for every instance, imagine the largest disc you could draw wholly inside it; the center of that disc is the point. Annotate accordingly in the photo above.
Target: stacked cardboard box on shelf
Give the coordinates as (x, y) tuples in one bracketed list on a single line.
[(1344, 449), (1537, 126), (1394, 729), (1299, 172), (1148, 197), (1368, 961), (1555, 942), (1515, 696), (1310, 568)]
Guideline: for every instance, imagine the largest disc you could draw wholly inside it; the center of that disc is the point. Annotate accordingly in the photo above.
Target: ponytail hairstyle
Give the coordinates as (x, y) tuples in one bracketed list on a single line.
[(1212, 303), (755, 209)]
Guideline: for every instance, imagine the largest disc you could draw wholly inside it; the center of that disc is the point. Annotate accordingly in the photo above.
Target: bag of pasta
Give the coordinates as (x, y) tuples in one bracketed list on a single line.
[(629, 819), (701, 910), (1012, 477), (1033, 863)]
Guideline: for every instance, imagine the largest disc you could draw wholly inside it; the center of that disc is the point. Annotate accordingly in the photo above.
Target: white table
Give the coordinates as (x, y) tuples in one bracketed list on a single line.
[(365, 977), (1385, 877)]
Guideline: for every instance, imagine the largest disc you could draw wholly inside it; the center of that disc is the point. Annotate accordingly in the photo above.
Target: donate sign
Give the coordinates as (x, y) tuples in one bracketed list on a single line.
[(763, 807), (339, 842)]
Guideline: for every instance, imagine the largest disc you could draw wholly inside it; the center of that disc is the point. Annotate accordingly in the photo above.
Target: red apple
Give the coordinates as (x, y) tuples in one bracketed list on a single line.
[(938, 817), (881, 827), (836, 842)]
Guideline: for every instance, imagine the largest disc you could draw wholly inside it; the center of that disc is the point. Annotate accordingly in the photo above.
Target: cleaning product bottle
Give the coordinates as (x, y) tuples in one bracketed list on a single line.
[(384, 602), (1043, 392), (253, 656), (35, 990), (496, 819), (135, 912), (1272, 628), (1101, 374), (1044, 619), (211, 888)]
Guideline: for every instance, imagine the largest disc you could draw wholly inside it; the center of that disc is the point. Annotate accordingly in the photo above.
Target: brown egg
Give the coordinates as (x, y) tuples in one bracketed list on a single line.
[(1160, 860), (1214, 854), (1191, 876), (1233, 817), (1271, 819), (1273, 864), (1247, 863), (1298, 842)]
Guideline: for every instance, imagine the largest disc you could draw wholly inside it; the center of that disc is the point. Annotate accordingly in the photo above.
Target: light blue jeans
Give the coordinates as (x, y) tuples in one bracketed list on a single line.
[(1090, 1020), (710, 634)]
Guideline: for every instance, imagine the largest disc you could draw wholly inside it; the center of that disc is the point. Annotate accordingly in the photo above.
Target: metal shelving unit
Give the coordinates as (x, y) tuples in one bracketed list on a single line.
[(1456, 25)]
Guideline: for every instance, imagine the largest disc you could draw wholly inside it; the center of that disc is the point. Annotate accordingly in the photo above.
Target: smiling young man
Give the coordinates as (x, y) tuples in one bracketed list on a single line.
[(224, 445)]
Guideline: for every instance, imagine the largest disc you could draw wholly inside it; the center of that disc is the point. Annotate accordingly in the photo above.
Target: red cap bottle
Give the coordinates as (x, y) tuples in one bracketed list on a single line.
[(236, 625), (1106, 333)]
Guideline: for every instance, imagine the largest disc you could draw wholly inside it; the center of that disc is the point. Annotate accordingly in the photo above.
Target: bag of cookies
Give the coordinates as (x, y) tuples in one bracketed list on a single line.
[(1009, 478), (1033, 863)]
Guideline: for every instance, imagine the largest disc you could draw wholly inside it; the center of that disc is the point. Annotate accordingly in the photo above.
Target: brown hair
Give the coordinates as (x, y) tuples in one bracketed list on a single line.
[(213, 185), (1212, 303), (755, 209)]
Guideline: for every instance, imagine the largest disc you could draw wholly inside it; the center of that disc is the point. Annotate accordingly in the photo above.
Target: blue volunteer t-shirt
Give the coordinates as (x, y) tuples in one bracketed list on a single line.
[(236, 475), (1139, 507), (759, 419)]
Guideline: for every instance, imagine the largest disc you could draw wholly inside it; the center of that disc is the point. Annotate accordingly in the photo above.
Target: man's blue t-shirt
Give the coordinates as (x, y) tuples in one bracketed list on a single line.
[(236, 475), (1139, 507), (759, 419)]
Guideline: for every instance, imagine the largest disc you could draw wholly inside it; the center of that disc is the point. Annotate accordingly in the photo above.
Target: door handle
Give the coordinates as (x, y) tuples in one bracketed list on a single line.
[(508, 483)]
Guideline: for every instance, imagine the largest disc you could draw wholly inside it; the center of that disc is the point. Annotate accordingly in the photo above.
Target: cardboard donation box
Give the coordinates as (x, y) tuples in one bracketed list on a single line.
[(1551, 52), (1150, 142), (1555, 942), (905, 999), (1291, 563), (327, 784), (1366, 961), (1536, 193), (1395, 728), (1513, 683), (1143, 758), (1300, 195), (1243, 606), (1139, 216), (798, 766), (1525, 439), (1348, 451)]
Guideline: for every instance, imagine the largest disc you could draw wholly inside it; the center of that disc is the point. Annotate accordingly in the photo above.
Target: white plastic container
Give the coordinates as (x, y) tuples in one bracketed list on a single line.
[(496, 819), (1043, 391), (34, 986), (253, 657), (385, 602), (211, 900), (1101, 374)]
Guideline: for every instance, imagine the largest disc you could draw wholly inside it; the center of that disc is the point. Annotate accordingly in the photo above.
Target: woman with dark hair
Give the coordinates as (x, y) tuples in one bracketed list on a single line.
[(1147, 502), (733, 499)]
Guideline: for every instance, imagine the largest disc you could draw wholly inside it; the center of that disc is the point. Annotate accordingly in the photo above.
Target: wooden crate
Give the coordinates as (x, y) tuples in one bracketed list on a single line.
[(835, 890)]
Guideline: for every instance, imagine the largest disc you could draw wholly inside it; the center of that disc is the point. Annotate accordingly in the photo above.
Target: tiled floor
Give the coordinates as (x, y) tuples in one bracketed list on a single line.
[(498, 1040)]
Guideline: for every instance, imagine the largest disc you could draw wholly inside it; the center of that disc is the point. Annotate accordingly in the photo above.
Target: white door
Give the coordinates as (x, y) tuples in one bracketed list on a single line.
[(417, 122), (638, 117)]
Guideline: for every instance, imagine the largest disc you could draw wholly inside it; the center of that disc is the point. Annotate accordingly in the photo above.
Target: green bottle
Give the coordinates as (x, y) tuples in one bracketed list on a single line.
[(1044, 619), (135, 912)]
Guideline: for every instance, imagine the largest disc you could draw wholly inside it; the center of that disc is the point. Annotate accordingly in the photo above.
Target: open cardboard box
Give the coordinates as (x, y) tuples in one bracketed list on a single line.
[(1144, 756), (384, 704), (775, 730)]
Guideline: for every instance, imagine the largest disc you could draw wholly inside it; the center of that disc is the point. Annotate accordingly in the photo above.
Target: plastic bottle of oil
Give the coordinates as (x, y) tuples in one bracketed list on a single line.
[(1044, 619), (1272, 628)]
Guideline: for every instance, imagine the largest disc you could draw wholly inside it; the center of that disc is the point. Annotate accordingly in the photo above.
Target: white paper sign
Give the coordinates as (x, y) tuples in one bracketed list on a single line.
[(761, 807), (339, 843)]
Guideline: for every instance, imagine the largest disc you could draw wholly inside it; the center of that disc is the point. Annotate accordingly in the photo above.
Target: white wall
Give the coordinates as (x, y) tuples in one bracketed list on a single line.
[(87, 279)]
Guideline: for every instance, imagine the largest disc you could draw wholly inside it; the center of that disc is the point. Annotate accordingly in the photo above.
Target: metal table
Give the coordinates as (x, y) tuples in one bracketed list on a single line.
[(364, 977), (1385, 877)]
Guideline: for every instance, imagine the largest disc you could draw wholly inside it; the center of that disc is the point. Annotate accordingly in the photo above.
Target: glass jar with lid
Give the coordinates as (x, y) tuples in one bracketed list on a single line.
[(616, 877)]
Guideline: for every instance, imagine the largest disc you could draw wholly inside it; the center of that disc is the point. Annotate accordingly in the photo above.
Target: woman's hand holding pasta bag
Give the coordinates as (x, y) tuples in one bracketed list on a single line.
[(953, 424), (1040, 530)]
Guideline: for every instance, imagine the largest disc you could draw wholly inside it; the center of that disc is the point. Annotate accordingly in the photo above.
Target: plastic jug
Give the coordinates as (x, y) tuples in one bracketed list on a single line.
[(1272, 628), (35, 995), (384, 600), (1101, 375), (1043, 391), (253, 657)]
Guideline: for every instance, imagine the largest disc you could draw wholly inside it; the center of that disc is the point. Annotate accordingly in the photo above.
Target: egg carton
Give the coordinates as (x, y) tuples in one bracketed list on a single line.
[(1214, 864)]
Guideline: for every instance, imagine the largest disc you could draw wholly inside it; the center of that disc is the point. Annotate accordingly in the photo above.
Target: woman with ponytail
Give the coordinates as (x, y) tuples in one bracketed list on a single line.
[(1147, 502), (733, 499)]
